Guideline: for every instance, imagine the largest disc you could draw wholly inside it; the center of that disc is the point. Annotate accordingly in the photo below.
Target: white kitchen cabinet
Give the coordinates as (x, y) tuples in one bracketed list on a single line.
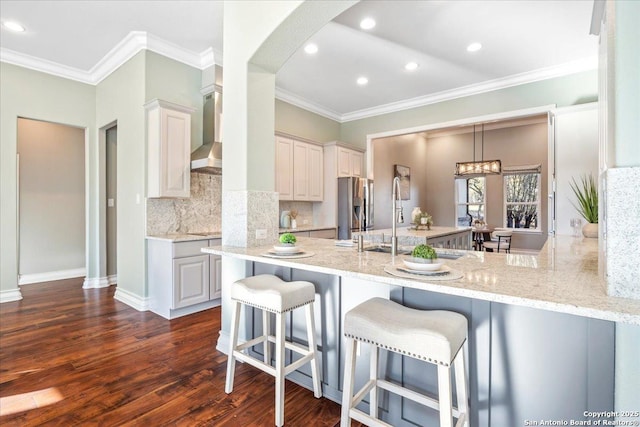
[(169, 149), (349, 162), (299, 170), (182, 280), (190, 281), (339, 161), (284, 168)]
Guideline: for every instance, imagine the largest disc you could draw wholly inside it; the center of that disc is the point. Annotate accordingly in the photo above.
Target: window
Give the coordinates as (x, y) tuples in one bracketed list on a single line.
[(522, 197), (470, 200)]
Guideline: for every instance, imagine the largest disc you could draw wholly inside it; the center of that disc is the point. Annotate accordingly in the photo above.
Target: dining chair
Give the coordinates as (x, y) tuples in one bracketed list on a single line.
[(500, 239)]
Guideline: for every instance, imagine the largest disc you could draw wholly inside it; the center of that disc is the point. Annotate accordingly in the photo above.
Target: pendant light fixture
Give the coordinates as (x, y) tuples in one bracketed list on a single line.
[(481, 167)]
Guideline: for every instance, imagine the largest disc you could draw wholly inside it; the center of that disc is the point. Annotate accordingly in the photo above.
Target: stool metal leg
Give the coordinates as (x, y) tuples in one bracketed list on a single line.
[(315, 364), (266, 330), (231, 360), (280, 335), (444, 393), (347, 390), (373, 376)]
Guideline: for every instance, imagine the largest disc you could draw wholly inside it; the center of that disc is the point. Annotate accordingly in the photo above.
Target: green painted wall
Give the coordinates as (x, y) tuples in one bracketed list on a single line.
[(627, 84), (175, 82), (35, 95), (299, 122), (120, 98), (563, 91)]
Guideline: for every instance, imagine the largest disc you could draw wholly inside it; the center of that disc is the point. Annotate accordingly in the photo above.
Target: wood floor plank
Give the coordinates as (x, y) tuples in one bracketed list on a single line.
[(111, 365)]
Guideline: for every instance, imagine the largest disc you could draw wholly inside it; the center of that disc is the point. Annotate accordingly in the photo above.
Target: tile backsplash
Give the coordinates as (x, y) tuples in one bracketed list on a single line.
[(202, 212), (305, 211)]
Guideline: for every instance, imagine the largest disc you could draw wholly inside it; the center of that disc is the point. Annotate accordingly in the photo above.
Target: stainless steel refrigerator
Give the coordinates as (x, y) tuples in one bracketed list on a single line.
[(355, 206)]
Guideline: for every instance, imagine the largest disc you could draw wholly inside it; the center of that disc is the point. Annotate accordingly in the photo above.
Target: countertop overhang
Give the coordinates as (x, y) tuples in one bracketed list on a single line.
[(563, 277)]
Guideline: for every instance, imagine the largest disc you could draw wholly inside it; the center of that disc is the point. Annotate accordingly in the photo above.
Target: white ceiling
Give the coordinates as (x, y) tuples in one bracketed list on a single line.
[(522, 41)]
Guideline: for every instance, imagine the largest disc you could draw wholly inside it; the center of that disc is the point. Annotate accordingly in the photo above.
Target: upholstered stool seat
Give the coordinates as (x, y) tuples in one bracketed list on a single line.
[(273, 295), (436, 336)]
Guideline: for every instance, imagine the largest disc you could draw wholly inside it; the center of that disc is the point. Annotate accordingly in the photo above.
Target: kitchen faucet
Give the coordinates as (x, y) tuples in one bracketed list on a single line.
[(397, 216)]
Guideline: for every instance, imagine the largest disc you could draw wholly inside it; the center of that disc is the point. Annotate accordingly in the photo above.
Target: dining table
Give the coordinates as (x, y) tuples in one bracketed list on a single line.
[(480, 235)]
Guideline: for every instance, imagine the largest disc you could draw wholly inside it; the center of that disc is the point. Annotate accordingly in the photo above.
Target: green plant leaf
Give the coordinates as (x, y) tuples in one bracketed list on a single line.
[(587, 195)]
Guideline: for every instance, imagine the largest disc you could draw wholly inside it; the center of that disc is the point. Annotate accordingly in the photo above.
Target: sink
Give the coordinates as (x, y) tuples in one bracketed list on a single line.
[(386, 250)]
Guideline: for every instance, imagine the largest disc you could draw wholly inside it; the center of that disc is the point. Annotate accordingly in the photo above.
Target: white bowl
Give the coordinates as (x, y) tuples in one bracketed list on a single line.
[(421, 264), (286, 249)]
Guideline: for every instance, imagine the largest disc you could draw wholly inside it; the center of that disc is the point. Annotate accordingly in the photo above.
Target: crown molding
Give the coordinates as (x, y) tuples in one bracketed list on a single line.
[(568, 68), (128, 47), (475, 89), (45, 66), (305, 104)]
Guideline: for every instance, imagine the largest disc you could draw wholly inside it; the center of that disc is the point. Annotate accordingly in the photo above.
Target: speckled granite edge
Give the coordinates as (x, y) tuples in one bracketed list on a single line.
[(562, 278), (179, 237), (623, 232)]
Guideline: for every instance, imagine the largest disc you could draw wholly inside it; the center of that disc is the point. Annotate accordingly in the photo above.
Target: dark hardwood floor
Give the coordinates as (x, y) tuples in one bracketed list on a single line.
[(73, 357)]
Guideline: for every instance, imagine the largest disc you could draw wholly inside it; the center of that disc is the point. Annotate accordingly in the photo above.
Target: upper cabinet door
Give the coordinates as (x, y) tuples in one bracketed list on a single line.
[(349, 162), (344, 162), (284, 168), (315, 168), (356, 163), (169, 149), (300, 171)]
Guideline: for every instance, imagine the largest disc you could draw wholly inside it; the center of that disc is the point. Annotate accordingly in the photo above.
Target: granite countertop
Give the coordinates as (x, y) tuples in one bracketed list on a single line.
[(186, 237), (563, 277), (304, 228)]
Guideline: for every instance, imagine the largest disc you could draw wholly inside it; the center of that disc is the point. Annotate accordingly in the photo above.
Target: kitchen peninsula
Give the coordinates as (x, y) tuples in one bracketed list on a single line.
[(541, 328)]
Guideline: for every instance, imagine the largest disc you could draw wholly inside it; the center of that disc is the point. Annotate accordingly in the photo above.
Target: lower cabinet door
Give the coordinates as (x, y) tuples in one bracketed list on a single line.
[(215, 286), (190, 280)]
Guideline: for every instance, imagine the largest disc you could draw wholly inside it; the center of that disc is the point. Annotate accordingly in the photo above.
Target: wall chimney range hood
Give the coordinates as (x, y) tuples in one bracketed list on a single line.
[(208, 157)]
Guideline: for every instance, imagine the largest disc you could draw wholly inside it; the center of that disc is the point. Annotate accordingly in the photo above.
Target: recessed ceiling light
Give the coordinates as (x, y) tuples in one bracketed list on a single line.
[(474, 47), (13, 26), (411, 66), (367, 23), (311, 48), (362, 81)]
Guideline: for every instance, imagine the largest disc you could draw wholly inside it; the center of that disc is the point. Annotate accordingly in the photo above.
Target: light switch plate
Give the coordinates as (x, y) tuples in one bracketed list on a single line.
[(261, 233), (111, 203)]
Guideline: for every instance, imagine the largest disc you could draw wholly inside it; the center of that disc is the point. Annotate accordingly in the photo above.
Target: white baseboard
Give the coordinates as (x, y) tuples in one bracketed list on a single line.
[(132, 300), (10, 295), (95, 282), (113, 279), (26, 279)]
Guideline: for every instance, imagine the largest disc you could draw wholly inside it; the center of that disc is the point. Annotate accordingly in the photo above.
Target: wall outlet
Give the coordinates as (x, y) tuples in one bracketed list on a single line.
[(305, 221), (261, 233)]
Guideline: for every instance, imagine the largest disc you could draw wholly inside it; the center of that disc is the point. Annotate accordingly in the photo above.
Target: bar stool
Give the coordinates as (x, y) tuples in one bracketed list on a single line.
[(273, 295), (437, 337)]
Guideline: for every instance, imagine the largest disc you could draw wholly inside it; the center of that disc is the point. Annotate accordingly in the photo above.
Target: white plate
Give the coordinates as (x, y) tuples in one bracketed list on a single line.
[(281, 249), (417, 264), (443, 270)]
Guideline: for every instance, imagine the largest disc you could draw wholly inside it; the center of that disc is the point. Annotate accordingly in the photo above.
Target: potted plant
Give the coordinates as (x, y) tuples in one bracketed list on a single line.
[(424, 252), (587, 194), (288, 239), (426, 220)]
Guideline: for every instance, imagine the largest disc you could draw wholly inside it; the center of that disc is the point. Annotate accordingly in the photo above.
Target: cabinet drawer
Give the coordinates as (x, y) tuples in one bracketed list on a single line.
[(191, 248)]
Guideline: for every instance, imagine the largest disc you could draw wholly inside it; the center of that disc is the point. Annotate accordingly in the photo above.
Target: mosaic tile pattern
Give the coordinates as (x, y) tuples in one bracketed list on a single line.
[(201, 213), (623, 232)]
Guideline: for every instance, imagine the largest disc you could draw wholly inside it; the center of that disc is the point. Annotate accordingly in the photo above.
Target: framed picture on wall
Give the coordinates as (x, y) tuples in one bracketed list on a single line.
[(404, 173)]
